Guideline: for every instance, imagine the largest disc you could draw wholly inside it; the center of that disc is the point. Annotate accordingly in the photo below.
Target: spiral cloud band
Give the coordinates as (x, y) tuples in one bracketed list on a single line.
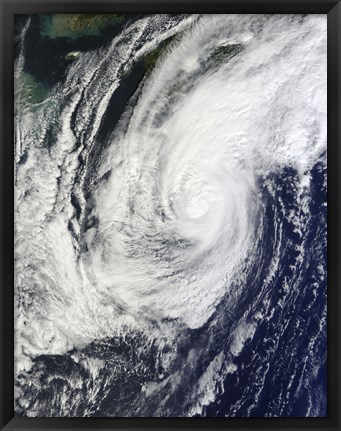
[(171, 253)]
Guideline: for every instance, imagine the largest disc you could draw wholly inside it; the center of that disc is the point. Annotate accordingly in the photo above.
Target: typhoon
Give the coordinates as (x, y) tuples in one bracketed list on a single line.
[(170, 220)]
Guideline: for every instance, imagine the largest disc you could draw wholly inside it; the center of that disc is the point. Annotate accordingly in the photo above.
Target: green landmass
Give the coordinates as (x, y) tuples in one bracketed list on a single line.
[(74, 26), (152, 57), (29, 90), (223, 52), (72, 55)]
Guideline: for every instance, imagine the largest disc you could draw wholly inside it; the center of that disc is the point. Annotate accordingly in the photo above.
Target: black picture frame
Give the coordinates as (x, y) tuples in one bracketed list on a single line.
[(8, 9)]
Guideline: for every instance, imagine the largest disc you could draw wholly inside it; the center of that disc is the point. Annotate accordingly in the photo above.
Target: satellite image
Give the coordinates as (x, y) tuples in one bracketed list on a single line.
[(170, 215)]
